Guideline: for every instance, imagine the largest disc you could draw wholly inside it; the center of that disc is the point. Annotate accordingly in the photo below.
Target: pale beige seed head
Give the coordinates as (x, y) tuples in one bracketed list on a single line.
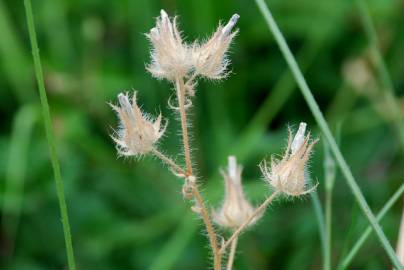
[(287, 175), (170, 56), (137, 133), (235, 209), (358, 74), (210, 58)]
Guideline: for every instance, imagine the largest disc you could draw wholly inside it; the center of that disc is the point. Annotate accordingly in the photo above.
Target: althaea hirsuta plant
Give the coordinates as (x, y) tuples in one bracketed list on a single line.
[(182, 64)]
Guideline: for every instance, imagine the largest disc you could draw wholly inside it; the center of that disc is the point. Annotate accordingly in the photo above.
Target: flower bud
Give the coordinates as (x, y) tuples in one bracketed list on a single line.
[(138, 133), (170, 56), (288, 174), (210, 58), (235, 209)]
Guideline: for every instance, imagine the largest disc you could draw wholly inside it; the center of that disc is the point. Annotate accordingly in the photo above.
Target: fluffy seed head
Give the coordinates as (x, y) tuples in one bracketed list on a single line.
[(288, 174), (170, 56), (235, 209), (210, 59), (137, 133)]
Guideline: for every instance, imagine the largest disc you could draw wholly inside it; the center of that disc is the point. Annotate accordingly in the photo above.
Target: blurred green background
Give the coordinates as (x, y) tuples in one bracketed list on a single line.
[(129, 214)]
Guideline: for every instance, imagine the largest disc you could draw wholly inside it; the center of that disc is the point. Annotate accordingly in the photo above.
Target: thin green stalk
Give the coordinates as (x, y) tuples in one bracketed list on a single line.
[(23, 125), (14, 63), (318, 210), (354, 250), (318, 115), (329, 177), (381, 66), (49, 135)]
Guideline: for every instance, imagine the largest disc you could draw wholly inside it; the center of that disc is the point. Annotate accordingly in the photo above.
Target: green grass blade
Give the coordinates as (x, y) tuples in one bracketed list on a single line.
[(318, 210), (381, 66), (318, 115), (16, 171), (329, 179), (49, 135), (13, 60), (354, 250)]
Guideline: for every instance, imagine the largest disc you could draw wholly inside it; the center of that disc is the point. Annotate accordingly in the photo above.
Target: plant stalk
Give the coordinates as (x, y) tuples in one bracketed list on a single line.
[(49, 136), (354, 250), (174, 166), (180, 89), (329, 177), (247, 222), (179, 84), (232, 254)]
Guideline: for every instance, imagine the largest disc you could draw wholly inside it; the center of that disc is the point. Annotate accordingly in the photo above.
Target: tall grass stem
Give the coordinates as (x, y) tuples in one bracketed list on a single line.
[(49, 135), (329, 179), (354, 250), (318, 211), (318, 115), (16, 172)]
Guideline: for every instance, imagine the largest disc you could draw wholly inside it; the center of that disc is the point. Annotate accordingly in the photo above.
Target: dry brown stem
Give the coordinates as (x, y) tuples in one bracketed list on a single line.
[(200, 204)]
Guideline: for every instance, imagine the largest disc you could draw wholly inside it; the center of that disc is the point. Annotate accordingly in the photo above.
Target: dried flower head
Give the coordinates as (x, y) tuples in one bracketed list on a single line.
[(210, 58), (235, 209), (288, 174), (170, 56), (137, 133)]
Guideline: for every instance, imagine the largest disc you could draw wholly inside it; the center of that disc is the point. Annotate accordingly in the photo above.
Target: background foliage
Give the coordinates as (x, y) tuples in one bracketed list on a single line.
[(129, 214)]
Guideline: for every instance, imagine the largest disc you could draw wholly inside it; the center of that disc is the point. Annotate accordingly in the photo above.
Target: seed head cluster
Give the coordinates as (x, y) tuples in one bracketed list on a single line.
[(172, 58), (182, 64)]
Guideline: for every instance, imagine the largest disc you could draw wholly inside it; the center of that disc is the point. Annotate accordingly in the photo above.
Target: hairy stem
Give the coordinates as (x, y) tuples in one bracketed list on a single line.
[(319, 117), (49, 136), (180, 88), (232, 254), (168, 161), (257, 212), (179, 85), (209, 228)]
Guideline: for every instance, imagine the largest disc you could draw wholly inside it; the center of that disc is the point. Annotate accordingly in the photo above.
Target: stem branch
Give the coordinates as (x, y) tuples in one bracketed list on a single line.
[(232, 254), (168, 161), (257, 211)]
